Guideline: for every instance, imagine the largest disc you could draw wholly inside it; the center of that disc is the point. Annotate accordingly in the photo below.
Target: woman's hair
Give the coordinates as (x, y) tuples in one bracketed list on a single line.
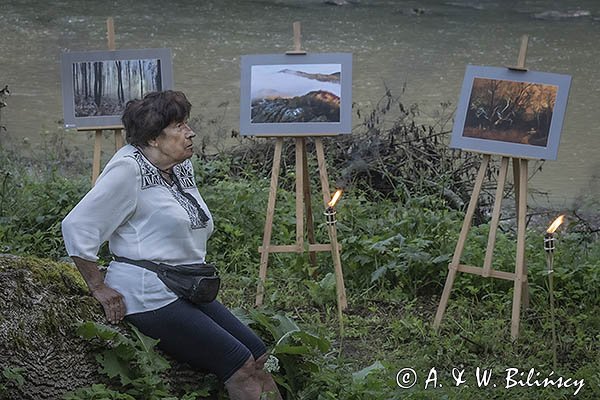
[(145, 119)]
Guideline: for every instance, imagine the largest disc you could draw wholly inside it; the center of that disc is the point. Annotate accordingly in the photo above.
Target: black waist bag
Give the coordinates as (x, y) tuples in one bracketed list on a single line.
[(197, 283)]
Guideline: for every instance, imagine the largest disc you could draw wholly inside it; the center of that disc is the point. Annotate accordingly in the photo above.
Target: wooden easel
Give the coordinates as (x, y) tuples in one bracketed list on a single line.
[(519, 277), (303, 207), (117, 129)]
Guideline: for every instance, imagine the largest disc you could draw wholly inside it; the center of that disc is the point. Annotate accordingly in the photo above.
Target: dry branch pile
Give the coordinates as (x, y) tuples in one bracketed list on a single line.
[(388, 154)]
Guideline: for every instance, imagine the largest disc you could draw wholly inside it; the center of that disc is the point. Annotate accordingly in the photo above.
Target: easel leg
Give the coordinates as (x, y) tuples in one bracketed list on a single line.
[(118, 139), (517, 180), (300, 172), (520, 274), (264, 256), (489, 252), (310, 229), (322, 171), (453, 267), (97, 155)]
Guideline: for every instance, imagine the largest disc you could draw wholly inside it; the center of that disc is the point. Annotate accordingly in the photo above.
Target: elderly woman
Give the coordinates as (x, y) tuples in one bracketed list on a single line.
[(146, 204)]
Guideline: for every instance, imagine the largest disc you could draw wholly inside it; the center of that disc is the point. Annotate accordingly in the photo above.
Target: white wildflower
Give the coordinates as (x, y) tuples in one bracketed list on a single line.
[(272, 364)]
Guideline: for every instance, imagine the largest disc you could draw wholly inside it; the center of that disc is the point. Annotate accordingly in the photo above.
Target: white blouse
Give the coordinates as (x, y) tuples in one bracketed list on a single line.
[(143, 218)]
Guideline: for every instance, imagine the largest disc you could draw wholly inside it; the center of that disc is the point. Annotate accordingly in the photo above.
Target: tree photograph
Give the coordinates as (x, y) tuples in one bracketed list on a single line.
[(509, 111), (103, 88)]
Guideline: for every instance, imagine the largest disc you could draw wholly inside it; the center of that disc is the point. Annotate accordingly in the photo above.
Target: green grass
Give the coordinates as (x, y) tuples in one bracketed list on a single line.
[(395, 255)]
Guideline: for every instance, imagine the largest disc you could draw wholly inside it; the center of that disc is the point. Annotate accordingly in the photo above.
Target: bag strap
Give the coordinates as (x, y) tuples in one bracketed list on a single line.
[(152, 266), (149, 265)]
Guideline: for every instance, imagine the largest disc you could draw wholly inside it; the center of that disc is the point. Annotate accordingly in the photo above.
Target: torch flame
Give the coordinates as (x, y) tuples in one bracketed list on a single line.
[(557, 222), (335, 198)]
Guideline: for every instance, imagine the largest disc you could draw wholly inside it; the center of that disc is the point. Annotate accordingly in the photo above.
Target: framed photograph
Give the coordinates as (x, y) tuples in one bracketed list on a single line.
[(96, 85), (511, 113), (296, 95)]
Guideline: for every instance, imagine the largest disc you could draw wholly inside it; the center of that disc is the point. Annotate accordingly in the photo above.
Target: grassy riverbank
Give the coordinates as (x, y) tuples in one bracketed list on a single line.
[(398, 226)]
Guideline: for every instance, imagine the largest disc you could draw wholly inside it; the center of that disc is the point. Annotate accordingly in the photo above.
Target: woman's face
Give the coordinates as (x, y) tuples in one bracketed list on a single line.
[(175, 142)]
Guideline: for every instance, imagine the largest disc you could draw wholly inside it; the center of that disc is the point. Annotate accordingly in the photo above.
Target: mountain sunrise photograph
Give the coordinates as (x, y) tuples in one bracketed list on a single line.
[(296, 94)]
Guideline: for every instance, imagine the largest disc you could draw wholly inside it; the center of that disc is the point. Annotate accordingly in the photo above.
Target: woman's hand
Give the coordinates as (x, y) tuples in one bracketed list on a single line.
[(112, 302)]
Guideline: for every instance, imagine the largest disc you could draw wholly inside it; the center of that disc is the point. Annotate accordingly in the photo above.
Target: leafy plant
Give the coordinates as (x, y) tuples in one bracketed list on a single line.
[(31, 212), (323, 291), (296, 349), (11, 376), (133, 361), (97, 392)]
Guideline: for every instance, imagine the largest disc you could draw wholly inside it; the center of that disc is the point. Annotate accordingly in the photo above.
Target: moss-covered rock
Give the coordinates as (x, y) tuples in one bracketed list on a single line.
[(41, 304)]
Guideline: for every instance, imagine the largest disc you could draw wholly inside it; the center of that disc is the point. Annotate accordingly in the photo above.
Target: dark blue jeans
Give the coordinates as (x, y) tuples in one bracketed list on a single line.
[(207, 337)]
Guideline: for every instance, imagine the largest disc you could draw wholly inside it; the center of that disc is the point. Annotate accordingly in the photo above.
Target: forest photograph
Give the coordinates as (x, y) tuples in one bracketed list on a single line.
[(102, 88), (295, 93), (510, 111)]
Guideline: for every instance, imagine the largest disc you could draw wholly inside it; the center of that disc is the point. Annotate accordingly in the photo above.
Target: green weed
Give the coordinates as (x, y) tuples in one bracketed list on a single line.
[(11, 377), (133, 362)]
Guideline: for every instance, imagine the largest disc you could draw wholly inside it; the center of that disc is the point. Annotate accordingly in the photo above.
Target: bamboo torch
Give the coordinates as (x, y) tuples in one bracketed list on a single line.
[(331, 220), (549, 246)]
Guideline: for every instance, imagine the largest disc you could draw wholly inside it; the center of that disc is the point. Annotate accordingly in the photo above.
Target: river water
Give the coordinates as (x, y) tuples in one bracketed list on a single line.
[(422, 46)]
